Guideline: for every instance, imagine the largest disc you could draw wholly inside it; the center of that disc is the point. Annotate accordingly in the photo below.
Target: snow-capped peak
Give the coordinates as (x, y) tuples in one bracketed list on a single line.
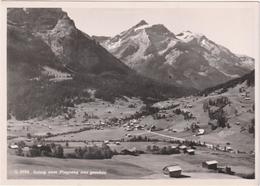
[(188, 36), (141, 23), (142, 27)]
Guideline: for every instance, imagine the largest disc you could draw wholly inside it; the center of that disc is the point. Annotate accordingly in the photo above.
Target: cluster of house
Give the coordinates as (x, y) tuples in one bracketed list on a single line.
[(209, 146), (109, 142), (184, 149), (175, 171), (188, 106), (24, 148), (133, 124), (244, 93), (213, 165), (55, 73)]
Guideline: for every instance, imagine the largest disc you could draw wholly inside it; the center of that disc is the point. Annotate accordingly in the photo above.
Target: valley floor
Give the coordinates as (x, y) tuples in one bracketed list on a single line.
[(145, 166)]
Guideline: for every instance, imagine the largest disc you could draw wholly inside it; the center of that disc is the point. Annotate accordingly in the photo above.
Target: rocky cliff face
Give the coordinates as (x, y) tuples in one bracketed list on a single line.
[(71, 47), (186, 59)]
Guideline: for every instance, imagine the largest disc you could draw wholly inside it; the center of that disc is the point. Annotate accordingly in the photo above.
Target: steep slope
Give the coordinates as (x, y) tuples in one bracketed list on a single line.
[(186, 59), (226, 113), (53, 65), (218, 56)]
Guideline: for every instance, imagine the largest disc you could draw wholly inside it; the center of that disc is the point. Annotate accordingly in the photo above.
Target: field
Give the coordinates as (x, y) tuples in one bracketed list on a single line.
[(145, 166)]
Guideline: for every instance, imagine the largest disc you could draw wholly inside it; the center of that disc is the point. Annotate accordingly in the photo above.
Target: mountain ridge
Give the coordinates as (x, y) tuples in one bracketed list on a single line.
[(52, 66), (152, 49)]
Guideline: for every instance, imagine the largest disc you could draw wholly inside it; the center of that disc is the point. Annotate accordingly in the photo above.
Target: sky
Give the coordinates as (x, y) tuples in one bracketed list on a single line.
[(230, 27)]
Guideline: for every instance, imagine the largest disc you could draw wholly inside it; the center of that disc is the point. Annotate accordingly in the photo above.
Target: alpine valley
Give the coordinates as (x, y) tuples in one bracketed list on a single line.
[(145, 104)]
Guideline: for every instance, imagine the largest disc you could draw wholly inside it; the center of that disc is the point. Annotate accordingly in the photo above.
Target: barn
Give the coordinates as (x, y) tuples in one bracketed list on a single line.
[(191, 151), (13, 146), (213, 164), (173, 171), (183, 148)]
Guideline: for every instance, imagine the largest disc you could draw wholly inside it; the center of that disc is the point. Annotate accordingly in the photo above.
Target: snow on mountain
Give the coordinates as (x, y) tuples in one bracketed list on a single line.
[(51, 64), (188, 58), (247, 62), (188, 36)]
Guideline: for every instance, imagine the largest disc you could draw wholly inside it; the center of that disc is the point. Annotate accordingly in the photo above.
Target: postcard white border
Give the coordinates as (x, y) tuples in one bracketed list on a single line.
[(253, 5)]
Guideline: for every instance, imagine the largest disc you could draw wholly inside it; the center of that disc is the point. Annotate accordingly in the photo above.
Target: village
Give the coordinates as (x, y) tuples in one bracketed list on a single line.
[(131, 130)]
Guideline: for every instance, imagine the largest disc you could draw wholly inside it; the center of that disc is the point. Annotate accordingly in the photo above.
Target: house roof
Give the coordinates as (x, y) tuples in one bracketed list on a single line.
[(14, 146), (211, 162), (173, 168), (182, 147)]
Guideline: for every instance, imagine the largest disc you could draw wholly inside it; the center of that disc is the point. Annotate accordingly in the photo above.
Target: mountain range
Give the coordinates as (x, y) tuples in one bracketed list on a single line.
[(186, 59), (52, 65)]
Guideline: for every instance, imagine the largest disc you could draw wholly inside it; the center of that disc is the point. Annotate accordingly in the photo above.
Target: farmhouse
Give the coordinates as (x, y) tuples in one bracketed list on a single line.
[(13, 146), (225, 170), (201, 132), (191, 151), (228, 149), (183, 147), (173, 147), (106, 141), (172, 170), (213, 164)]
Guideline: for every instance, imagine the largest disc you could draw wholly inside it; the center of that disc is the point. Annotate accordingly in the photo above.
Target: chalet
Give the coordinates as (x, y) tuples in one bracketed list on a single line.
[(229, 149), (200, 132), (106, 141), (173, 147), (13, 146), (183, 147), (225, 170), (213, 164), (191, 151), (172, 170), (210, 146)]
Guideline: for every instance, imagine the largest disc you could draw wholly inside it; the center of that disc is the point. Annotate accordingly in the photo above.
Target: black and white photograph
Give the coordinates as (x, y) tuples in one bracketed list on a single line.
[(157, 93)]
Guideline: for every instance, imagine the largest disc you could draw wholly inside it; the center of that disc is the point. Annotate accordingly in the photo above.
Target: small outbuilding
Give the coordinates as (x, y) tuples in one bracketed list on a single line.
[(200, 132), (173, 171), (213, 164), (183, 147), (14, 146), (173, 147), (191, 151)]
